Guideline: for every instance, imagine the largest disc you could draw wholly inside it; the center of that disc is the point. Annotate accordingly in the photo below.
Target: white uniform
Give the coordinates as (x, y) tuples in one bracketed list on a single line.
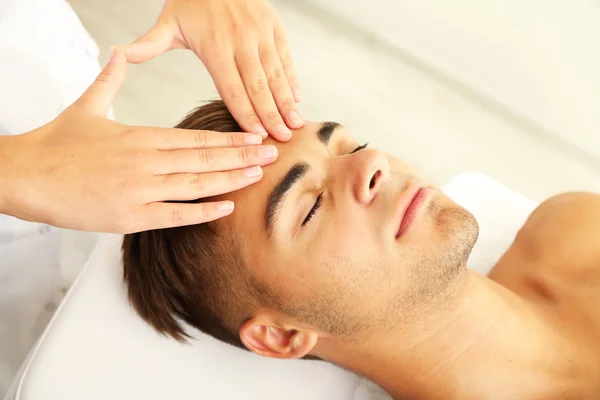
[(47, 60)]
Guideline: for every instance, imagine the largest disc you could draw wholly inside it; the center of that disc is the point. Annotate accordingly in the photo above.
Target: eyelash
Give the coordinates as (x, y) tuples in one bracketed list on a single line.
[(319, 201), (359, 148), (313, 210)]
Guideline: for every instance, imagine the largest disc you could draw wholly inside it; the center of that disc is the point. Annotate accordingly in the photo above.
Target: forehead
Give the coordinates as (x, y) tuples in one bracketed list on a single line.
[(250, 202)]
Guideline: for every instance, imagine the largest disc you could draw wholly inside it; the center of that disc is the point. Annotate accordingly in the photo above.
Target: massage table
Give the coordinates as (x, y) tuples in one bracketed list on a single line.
[(97, 347)]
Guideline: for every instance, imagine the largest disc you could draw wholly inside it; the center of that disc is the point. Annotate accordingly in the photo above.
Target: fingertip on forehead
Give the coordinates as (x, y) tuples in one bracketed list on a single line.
[(309, 126)]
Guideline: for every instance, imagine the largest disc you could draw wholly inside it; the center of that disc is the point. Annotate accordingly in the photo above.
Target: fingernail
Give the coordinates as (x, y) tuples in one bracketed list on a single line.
[(297, 94), (257, 128), (225, 206), (285, 132), (252, 172), (253, 139), (268, 152), (295, 118)]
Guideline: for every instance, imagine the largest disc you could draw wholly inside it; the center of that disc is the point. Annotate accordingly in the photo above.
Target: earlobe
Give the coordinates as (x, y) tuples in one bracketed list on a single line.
[(302, 343), (274, 341)]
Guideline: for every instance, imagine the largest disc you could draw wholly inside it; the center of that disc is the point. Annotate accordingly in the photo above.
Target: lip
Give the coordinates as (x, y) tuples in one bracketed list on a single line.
[(409, 205)]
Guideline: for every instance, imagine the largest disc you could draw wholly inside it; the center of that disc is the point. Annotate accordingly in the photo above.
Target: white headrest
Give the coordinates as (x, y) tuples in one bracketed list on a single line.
[(96, 347)]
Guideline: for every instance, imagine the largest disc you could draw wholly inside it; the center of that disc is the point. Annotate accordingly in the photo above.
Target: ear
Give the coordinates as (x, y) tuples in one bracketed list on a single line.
[(270, 339)]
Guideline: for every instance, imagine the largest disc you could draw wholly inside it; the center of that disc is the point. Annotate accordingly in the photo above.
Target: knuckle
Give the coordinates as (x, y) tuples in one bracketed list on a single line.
[(200, 138), (206, 157), (177, 213), (258, 86), (205, 212), (236, 91), (217, 40), (248, 46), (273, 115), (215, 50), (132, 184), (103, 77), (198, 183), (238, 26), (230, 140), (141, 160), (275, 75), (233, 176), (129, 186), (138, 136), (244, 155), (286, 58), (134, 132), (250, 116), (288, 104)]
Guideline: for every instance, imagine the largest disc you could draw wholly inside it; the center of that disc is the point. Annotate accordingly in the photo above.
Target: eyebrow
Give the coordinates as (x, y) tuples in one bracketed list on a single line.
[(325, 132), (298, 170)]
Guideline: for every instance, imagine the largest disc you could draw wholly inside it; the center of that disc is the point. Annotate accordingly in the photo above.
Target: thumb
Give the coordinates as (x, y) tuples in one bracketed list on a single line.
[(101, 94), (153, 43)]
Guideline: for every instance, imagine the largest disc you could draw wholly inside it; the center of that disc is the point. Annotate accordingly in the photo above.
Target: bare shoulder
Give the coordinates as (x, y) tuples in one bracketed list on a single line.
[(563, 233)]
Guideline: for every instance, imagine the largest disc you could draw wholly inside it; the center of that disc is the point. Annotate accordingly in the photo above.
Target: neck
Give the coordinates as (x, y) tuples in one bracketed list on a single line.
[(484, 331)]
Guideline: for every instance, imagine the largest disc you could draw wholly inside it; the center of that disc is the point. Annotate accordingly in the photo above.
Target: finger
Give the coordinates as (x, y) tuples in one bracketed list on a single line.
[(102, 92), (283, 49), (184, 187), (280, 88), (171, 215), (176, 139), (153, 43), (257, 86), (231, 89), (213, 160)]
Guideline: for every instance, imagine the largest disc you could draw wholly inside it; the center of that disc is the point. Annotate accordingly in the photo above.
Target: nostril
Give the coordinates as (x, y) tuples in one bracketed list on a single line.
[(374, 179)]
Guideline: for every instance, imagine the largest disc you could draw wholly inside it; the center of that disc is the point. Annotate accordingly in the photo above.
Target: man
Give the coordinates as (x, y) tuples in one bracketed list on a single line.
[(343, 253)]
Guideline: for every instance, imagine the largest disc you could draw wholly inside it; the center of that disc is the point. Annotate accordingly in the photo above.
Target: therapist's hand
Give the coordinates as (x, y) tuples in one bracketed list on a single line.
[(83, 171), (243, 45)]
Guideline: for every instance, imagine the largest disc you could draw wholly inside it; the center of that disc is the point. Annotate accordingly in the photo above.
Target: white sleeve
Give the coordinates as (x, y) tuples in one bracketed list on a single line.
[(47, 60)]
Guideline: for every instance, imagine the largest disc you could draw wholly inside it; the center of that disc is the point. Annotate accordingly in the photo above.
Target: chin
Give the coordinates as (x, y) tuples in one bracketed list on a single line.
[(459, 231), (456, 232), (435, 261)]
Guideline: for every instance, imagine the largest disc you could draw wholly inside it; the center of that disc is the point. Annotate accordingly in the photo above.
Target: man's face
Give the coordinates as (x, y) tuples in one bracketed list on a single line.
[(349, 238)]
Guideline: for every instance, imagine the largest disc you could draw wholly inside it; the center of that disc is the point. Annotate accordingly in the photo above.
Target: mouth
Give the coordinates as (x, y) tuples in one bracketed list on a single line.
[(410, 204)]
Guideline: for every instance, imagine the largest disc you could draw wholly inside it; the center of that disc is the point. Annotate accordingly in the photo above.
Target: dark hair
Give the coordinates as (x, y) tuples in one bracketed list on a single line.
[(196, 273)]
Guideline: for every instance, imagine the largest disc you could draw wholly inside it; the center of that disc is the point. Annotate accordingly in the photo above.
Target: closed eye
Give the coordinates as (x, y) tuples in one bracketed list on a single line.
[(313, 210), (319, 200), (359, 148)]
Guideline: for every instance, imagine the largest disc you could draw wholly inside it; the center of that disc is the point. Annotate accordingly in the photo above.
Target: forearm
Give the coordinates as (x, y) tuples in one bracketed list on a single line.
[(8, 167)]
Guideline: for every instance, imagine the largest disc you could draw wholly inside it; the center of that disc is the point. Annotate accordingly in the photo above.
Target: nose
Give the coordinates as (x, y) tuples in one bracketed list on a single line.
[(371, 168)]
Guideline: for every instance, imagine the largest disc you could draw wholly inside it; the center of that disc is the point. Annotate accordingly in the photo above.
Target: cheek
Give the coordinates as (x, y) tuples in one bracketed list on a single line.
[(287, 277), (346, 237), (349, 251)]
